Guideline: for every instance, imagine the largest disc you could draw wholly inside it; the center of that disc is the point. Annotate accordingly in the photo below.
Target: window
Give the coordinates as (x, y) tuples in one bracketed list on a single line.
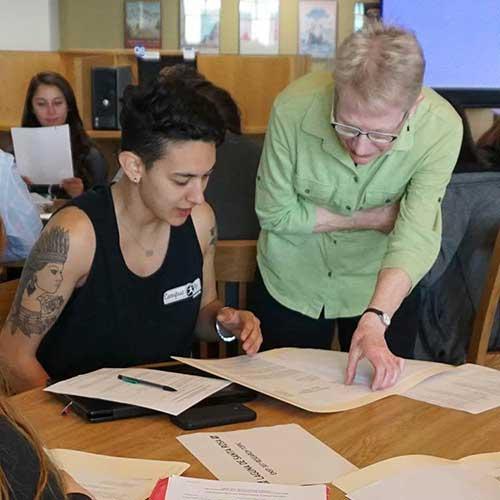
[(200, 24), (259, 26)]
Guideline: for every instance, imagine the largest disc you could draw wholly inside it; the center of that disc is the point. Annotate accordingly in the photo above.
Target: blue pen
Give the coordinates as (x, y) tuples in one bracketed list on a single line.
[(133, 380)]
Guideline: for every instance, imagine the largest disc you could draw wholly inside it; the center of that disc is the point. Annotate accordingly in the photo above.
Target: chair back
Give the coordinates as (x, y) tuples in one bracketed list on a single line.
[(483, 322), (7, 293), (235, 264)]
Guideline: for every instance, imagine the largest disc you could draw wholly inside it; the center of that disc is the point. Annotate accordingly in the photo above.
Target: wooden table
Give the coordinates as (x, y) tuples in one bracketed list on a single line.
[(387, 428)]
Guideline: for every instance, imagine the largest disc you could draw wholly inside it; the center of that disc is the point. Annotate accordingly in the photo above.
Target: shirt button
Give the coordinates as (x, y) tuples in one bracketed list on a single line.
[(348, 207), (388, 200), (258, 177), (439, 200), (334, 242), (356, 178), (329, 274), (307, 191)]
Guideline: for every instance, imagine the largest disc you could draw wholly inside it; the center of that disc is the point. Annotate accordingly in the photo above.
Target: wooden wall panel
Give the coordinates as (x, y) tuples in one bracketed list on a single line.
[(254, 82), (16, 70)]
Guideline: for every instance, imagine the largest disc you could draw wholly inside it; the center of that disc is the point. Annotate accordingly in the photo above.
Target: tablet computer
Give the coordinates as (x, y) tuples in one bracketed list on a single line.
[(98, 410)]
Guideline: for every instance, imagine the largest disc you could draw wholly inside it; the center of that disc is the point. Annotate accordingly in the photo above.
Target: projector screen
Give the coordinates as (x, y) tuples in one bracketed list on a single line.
[(461, 43)]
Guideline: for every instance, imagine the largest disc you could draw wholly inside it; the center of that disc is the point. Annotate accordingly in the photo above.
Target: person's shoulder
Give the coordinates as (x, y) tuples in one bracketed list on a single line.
[(204, 222), (76, 223), (303, 91), (440, 109)]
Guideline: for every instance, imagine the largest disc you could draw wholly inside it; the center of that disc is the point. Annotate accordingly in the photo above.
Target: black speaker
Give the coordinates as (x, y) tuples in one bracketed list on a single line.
[(108, 85)]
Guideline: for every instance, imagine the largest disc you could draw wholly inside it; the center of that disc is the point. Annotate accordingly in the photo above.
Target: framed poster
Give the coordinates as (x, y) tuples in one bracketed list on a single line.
[(143, 23), (318, 28), (200, 21), (259, 26)]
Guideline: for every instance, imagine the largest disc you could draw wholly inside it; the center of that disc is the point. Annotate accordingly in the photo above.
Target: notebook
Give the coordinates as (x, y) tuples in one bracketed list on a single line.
[(98, 410)]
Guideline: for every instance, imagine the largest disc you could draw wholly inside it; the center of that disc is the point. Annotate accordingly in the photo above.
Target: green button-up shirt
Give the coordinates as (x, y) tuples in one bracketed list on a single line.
[(304, 165)]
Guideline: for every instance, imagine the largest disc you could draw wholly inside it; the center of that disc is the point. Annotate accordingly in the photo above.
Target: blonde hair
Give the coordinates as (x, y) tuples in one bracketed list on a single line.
[(380, 65), (46, 467)]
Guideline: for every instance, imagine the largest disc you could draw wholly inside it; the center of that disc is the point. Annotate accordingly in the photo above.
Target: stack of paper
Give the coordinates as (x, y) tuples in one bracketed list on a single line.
[(263, 454), (186, 488), (424, 477), (109, 478), (105, 384)]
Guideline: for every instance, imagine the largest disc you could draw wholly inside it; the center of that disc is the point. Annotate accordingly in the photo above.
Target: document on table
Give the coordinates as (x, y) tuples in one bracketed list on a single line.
[(187, 488), (281, 454), (416, 472), (312, 379), (104, 384), (470, 388), (114, 478), (43, 153)]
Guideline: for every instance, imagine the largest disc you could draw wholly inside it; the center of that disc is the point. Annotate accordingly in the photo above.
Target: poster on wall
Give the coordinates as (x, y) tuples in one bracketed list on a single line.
[(259, 26), (142, 24), (317, 28), (200, 21)]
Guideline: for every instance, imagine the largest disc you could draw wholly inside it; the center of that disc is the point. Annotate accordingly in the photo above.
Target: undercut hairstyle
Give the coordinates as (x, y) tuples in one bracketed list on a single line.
[(164, 112), (225, 104), (80, 141), (380, 65)]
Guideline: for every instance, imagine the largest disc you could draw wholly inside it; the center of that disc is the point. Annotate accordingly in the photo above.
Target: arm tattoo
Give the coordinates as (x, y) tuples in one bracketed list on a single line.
[(37, 304), (213, 235)]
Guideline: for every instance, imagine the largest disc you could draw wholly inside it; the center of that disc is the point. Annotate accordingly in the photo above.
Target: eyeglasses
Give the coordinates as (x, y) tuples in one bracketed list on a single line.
[(352, 132)]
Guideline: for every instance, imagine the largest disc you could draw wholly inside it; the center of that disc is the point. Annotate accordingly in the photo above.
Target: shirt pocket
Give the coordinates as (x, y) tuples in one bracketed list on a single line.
[(378, 197), (318, 193)]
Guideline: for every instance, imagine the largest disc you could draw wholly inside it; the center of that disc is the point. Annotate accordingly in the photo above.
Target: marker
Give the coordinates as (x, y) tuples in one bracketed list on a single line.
[(132, 380)]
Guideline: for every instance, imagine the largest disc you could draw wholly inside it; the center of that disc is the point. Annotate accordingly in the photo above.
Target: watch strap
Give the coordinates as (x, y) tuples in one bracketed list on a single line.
[(383, 316)]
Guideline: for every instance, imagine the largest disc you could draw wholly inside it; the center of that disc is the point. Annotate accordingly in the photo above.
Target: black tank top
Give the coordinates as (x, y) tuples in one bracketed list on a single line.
[(118, 318)]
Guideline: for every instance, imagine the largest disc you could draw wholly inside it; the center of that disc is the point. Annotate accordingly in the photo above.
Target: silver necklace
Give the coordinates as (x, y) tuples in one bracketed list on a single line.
[(149, 252)]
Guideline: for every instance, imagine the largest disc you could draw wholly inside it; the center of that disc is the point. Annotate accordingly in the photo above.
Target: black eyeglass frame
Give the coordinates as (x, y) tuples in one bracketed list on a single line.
[(391, 137)]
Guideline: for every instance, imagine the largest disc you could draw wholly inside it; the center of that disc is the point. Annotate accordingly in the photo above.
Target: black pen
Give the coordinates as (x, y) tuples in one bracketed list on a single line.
[(132, 380)]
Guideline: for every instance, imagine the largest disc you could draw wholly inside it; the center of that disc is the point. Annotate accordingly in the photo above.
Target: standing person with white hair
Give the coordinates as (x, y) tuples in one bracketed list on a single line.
[(348, 196)]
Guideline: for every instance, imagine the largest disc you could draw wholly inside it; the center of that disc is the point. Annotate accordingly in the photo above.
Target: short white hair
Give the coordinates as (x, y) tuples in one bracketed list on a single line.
[(380, 65)]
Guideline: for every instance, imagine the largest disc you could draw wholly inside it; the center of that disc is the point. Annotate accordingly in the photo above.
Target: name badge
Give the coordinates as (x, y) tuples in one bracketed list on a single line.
[(183, 292)]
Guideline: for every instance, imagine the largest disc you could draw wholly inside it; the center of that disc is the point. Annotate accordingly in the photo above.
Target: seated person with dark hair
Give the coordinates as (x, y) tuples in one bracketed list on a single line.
[(231, 190), (124, 275)]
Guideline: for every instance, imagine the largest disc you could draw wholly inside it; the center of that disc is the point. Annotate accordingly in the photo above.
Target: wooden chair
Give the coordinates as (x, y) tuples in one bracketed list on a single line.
[(7, 293), (483, 322), (235, 262)]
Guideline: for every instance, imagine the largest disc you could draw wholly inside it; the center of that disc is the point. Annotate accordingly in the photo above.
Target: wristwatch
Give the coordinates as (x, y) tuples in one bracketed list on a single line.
[(223, 333), (383, 316)]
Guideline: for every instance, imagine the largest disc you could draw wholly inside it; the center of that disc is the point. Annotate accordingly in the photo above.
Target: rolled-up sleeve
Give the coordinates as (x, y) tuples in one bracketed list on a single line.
[(414, 243), (279, 207)]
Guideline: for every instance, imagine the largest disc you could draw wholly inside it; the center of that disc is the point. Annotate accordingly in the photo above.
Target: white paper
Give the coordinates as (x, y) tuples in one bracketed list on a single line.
[(312, 379), (281, 454), (187, 488), (43, 153), (454, 481), (104, 384), (115, 478), (470, 388)]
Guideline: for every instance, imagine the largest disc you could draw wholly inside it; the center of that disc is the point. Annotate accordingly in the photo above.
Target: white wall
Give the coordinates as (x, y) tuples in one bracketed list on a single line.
[(29, 25)]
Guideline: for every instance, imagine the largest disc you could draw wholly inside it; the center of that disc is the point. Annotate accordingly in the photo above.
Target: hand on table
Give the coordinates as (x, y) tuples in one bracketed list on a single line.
[(71, 486), (369, 342), (244, 325), (73, 186)]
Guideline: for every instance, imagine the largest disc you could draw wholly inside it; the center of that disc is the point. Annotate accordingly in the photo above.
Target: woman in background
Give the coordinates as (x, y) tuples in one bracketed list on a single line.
[(50, 101)]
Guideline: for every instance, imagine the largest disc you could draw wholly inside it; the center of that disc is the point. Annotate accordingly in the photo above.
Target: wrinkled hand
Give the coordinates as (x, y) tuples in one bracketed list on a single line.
[(244, 325), (382, 218), (370, 343), (73, 186)]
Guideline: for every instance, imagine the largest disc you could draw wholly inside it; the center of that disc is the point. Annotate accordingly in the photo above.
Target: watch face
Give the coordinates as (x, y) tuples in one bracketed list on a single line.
[(385, 319)]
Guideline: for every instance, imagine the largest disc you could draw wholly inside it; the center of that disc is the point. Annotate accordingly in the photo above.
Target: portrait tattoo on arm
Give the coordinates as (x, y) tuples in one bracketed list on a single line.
[(213, 235), (37, 304)]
